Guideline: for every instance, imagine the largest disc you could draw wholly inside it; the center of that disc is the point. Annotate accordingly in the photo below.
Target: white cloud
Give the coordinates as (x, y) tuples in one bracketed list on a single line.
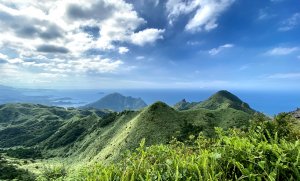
[(140, 57), (2, 56), (194, 43), (264, 14), (15, 60), (30, 24), (147, 36), (290, 23), (16, 75), (10, 60), (96, 65), (85, 65), (285, 76), (206, 12), (123, 50), (282, 51), (56, 37), (156, 2), (216, 51)]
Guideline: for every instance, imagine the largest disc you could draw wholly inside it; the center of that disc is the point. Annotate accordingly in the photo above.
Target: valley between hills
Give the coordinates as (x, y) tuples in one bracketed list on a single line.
[(121, 138)]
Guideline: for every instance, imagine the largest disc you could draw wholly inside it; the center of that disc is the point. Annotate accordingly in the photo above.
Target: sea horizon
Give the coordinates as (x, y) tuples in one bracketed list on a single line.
[(267, 102)]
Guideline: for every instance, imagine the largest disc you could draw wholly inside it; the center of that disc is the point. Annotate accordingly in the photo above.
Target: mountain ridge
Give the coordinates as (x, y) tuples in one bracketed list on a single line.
[(220, 100), (117, 102), (94, 135)]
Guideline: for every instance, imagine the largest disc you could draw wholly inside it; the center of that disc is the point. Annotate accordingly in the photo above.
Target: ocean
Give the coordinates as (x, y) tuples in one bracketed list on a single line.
[(268, 102)]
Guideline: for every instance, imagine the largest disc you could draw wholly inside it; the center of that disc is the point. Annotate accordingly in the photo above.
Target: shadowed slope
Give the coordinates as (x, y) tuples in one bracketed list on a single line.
[(97, 135)]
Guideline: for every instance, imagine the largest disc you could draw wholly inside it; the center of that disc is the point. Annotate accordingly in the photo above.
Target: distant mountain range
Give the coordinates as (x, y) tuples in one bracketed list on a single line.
[(19, 95), (114, 101), (94, 134), (117, 102)]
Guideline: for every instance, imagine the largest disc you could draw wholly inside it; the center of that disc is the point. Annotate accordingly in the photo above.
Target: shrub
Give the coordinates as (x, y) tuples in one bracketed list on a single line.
[(53, 173), (231, 155), (9, 171)]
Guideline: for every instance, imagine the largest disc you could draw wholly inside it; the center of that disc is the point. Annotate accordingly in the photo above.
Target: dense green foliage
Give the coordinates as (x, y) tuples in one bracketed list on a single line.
[(9, 171), (38, 134), (23, 153), (184, 105), (102, 135), (220, 100), (232, 155)]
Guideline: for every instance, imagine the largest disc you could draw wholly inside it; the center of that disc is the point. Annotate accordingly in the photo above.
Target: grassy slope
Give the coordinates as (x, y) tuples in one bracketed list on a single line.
[(89, 135), (224, 99), (232, 155), (158, 123), (28, 124)]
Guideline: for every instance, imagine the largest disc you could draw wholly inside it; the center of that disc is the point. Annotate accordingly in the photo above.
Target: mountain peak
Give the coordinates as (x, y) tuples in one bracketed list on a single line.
[(118, 102), (159, 105), (225, 99), (226, 95), (184, 105)]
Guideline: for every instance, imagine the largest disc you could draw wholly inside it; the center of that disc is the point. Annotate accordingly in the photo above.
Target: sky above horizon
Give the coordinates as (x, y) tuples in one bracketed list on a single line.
[(150, 44)]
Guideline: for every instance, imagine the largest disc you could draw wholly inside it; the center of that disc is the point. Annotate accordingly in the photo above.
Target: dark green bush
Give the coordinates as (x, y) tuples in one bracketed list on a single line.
[(24, 153), (11, 172), (53, 173), (265, 152)]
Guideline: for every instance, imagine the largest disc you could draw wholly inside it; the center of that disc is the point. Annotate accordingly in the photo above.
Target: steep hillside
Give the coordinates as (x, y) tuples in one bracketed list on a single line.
[(158, 123), (117, 102), (220, 100), (32, 124), (93, 135), (224, 99)]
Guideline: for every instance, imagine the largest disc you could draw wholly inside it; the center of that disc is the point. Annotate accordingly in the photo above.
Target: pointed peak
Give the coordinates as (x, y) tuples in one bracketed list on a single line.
[(158, 105), (225, 99), (227, 95)]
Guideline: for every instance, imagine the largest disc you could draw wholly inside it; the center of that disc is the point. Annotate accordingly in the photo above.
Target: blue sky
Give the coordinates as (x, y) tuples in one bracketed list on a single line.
[(189, 44)]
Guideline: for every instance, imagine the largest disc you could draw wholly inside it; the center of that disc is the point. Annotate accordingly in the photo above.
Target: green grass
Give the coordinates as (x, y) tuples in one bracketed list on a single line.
[(240, 149), (231, 155), (10, 170), (93, 135), (75, 137)]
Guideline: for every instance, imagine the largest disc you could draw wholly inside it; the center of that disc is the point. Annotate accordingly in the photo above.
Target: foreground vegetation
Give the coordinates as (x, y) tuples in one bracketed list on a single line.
[(268, 150), (209, 140), (32, 131), (9, 171)]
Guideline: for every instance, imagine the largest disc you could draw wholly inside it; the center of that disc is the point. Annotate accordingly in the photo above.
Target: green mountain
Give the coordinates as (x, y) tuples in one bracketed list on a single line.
[(225, 99), (220, 100), (117, 102), (84, 135), (32, 124), (184, 105)]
